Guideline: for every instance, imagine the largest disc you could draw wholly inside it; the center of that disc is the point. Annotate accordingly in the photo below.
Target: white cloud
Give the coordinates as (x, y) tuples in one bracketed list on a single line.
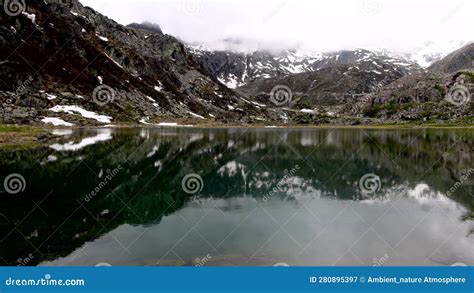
[(402, 26)]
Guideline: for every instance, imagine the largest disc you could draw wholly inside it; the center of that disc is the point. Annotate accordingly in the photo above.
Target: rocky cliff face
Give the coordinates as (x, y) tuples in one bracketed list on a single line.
[(442, 93), (71, 65), (425, 97), (460, 59), (336, 81), (147, 26), (238, 69)]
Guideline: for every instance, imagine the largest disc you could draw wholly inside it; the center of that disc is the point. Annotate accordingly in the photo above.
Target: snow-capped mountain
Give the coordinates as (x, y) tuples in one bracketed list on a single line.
[(237, 69)]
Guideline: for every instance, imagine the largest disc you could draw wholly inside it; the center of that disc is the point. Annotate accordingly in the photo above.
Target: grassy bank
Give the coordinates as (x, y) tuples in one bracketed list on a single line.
[(19, 134)]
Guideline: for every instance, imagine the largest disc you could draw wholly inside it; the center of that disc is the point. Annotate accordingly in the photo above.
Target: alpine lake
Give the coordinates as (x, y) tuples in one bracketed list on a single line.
[(240, 197)]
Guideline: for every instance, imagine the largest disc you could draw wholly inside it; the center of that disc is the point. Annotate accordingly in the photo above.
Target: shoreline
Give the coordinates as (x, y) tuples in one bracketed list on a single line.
[(12, 134)]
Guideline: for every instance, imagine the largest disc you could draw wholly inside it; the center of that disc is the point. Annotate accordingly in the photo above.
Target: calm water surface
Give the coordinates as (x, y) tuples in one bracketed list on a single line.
[(258, 197)]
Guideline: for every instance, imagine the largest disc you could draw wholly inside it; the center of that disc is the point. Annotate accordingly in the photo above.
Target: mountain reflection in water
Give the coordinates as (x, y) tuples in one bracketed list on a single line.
[(267, 196)]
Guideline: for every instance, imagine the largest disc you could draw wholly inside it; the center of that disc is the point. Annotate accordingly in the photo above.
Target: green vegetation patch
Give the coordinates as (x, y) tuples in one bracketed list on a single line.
[(9, 128), (469, 76)]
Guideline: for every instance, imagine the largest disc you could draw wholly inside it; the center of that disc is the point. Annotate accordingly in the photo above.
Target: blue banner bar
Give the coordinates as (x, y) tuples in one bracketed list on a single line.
[(238, 279)]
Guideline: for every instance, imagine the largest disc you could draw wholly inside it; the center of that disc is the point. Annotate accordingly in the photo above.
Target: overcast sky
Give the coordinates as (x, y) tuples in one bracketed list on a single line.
[(402, 25)]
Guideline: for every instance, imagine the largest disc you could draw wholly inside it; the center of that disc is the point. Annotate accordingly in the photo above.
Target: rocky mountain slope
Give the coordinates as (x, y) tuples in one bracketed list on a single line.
[(147, 26), (423, 97), (462, 58), (240, 69), (358, 86), (66, 64), (331, 84), (237, 69), (442, 93)]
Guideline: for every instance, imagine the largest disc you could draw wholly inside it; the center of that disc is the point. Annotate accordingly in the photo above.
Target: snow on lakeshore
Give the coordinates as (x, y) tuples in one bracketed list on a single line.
[(167, 124), (56, 121), (84, 113)]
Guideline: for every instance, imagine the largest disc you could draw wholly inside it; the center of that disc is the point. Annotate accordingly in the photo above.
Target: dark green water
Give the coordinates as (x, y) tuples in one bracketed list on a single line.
[(240, 197)]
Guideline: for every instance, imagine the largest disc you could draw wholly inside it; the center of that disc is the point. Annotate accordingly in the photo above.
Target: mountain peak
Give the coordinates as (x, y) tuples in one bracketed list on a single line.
[(147, 26)]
